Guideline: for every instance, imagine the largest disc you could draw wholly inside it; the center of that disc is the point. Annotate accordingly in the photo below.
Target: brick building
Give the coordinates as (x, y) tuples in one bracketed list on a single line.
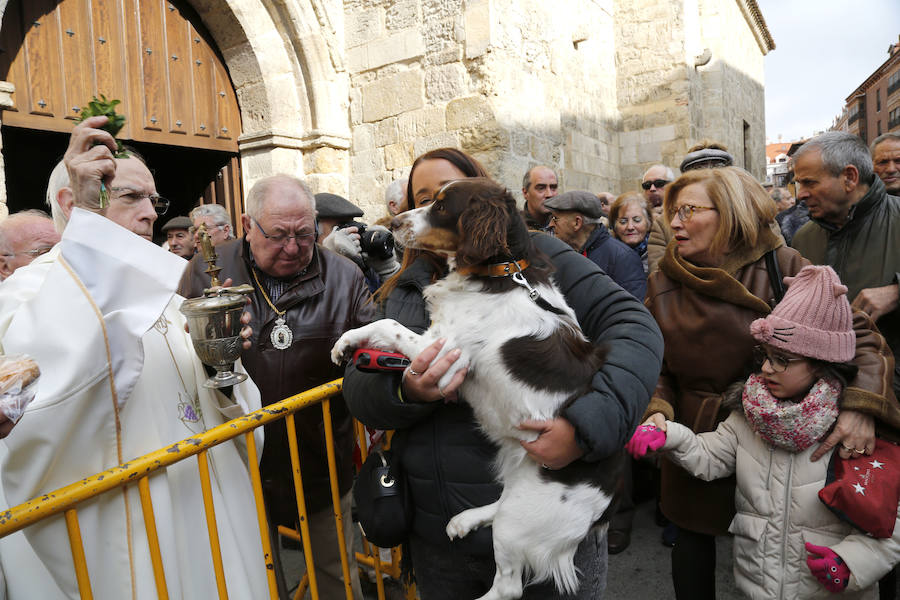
[(874, 107)]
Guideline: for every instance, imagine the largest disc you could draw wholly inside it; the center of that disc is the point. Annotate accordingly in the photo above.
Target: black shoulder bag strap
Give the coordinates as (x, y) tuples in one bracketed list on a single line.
[(775, 278)]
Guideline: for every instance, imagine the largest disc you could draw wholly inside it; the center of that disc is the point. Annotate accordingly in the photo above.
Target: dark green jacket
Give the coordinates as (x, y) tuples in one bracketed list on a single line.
[(865, 253)]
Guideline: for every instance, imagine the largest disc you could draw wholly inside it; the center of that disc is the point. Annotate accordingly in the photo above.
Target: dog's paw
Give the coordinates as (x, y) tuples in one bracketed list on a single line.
[(461, 525), (340, 352)]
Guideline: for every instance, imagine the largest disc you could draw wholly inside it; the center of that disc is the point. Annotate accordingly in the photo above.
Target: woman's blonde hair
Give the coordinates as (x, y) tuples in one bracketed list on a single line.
[(624, 200), (744, 207)]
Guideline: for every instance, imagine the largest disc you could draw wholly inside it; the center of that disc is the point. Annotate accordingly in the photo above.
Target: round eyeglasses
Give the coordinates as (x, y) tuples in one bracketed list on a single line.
[(778, 362)]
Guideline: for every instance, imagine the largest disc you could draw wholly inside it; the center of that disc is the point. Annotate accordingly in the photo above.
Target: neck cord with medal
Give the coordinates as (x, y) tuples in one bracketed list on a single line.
[(281, 335)]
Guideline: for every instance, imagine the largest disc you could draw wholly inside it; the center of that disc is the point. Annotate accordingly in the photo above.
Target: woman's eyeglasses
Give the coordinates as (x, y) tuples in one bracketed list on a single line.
[(624, 220), (686, 212), (778, 362)]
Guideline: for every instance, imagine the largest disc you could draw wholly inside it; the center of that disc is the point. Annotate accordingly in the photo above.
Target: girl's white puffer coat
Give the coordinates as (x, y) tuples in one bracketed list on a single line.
[(778, 510)]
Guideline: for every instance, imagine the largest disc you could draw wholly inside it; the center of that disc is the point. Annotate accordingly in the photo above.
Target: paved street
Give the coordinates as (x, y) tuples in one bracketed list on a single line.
[(642, 572)]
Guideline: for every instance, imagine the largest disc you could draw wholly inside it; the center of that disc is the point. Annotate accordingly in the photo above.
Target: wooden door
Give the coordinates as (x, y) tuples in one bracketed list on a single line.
[(153, 55)]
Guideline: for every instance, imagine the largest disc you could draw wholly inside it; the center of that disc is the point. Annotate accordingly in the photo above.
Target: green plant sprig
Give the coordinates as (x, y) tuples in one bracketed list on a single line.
[(106, 108)]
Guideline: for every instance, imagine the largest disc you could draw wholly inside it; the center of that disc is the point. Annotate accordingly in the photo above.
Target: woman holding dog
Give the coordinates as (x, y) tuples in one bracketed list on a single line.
[(447, 460), (713, 281)]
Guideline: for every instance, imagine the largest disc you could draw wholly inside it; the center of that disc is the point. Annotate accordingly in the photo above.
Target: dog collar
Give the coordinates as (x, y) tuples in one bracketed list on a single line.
[(504, 269)]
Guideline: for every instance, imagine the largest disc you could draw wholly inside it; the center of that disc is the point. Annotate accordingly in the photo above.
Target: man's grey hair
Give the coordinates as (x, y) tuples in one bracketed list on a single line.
[(216, 211), (395, 192), (8, 224), (59, 179), (526, 180), (884, 137), (257, 195), (839, 149), (670, 174)]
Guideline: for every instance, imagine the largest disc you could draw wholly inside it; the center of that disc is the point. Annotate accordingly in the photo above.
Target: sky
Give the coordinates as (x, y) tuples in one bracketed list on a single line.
[(824, 49)]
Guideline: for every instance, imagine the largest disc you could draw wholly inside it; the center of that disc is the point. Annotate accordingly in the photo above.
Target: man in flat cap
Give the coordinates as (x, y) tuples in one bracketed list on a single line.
[(179, 238), (376, 261), (576, 220)]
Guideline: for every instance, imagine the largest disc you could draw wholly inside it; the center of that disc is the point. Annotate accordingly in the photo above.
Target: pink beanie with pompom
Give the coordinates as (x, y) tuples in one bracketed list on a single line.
[(813, 319)]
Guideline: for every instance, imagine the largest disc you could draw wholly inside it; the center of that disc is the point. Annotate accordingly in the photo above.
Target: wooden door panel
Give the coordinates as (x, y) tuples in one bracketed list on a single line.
[(108, 49), (42, 53), (76, 55), (203, 82), (224, 107), (153, 66), (12, 62), (180, 72)]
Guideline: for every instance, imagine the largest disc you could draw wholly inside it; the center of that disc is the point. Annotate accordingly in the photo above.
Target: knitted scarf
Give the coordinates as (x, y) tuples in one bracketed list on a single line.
[(793, 426)]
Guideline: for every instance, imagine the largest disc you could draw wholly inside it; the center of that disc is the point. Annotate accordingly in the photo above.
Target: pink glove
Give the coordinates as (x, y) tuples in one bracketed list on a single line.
[(646, 438), (829, 568)]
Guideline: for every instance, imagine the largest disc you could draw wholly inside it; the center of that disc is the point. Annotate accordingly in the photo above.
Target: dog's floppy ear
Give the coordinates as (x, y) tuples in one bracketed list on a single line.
[(482, 230)]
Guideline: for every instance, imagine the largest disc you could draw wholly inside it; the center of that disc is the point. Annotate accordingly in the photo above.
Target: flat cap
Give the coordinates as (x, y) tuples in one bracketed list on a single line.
[(580, 201), (707, 158), (332, 206), (177, 223)]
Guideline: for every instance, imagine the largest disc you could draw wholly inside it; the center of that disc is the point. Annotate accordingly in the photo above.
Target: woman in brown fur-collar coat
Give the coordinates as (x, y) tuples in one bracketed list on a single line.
[(712, 282)]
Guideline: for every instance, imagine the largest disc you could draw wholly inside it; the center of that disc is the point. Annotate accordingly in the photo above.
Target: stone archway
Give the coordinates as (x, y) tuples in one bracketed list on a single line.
[(286, 64)]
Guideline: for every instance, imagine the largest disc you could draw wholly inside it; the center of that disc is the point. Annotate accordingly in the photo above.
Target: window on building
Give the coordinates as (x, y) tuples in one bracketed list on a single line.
[(894, 82), (877, 100), (894, 121)]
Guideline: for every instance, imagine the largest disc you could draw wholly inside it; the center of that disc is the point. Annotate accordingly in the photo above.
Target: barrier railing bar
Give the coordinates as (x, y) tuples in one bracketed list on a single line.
[(159, 575), (57, 501), (304, 581), (291, 427), (78, 558), (256, 482), (211, 527), (335, 495)]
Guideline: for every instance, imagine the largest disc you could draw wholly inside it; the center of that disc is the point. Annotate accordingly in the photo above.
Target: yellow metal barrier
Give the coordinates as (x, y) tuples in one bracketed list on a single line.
[(137, 470)]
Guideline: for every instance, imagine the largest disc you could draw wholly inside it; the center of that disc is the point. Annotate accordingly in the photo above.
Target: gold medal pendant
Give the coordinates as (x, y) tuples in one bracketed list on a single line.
[(281, 335)]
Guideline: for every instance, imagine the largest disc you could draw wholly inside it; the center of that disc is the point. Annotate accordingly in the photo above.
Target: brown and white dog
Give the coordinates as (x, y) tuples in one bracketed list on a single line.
[(527, 358)]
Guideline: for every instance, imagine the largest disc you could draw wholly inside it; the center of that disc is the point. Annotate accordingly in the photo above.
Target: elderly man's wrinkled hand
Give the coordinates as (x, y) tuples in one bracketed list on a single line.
[(878, 301), (89, 160)]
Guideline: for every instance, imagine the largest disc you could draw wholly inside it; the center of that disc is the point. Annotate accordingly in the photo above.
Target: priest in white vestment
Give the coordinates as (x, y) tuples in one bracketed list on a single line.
[(120, 378)]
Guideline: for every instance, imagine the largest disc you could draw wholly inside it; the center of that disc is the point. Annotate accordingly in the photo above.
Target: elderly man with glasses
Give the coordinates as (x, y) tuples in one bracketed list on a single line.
[(23, 237), (305, 297), (119, 378)]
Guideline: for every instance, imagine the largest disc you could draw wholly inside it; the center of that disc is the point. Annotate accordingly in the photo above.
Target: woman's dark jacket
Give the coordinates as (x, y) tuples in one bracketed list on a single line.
[(448, 461)]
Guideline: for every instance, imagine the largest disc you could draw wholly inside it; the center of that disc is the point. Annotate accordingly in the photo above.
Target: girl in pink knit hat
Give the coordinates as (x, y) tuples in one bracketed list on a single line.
[(787, 543)]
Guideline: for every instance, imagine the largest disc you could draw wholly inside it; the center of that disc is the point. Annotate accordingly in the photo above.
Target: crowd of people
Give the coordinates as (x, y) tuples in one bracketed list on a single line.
[(750, 342)]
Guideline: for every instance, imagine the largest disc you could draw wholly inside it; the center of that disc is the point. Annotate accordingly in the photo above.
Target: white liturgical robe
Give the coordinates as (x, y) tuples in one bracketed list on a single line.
[(119, 379)]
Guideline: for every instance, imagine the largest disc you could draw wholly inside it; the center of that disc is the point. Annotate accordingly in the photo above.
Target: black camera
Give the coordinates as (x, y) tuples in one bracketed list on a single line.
[(375, 243)]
